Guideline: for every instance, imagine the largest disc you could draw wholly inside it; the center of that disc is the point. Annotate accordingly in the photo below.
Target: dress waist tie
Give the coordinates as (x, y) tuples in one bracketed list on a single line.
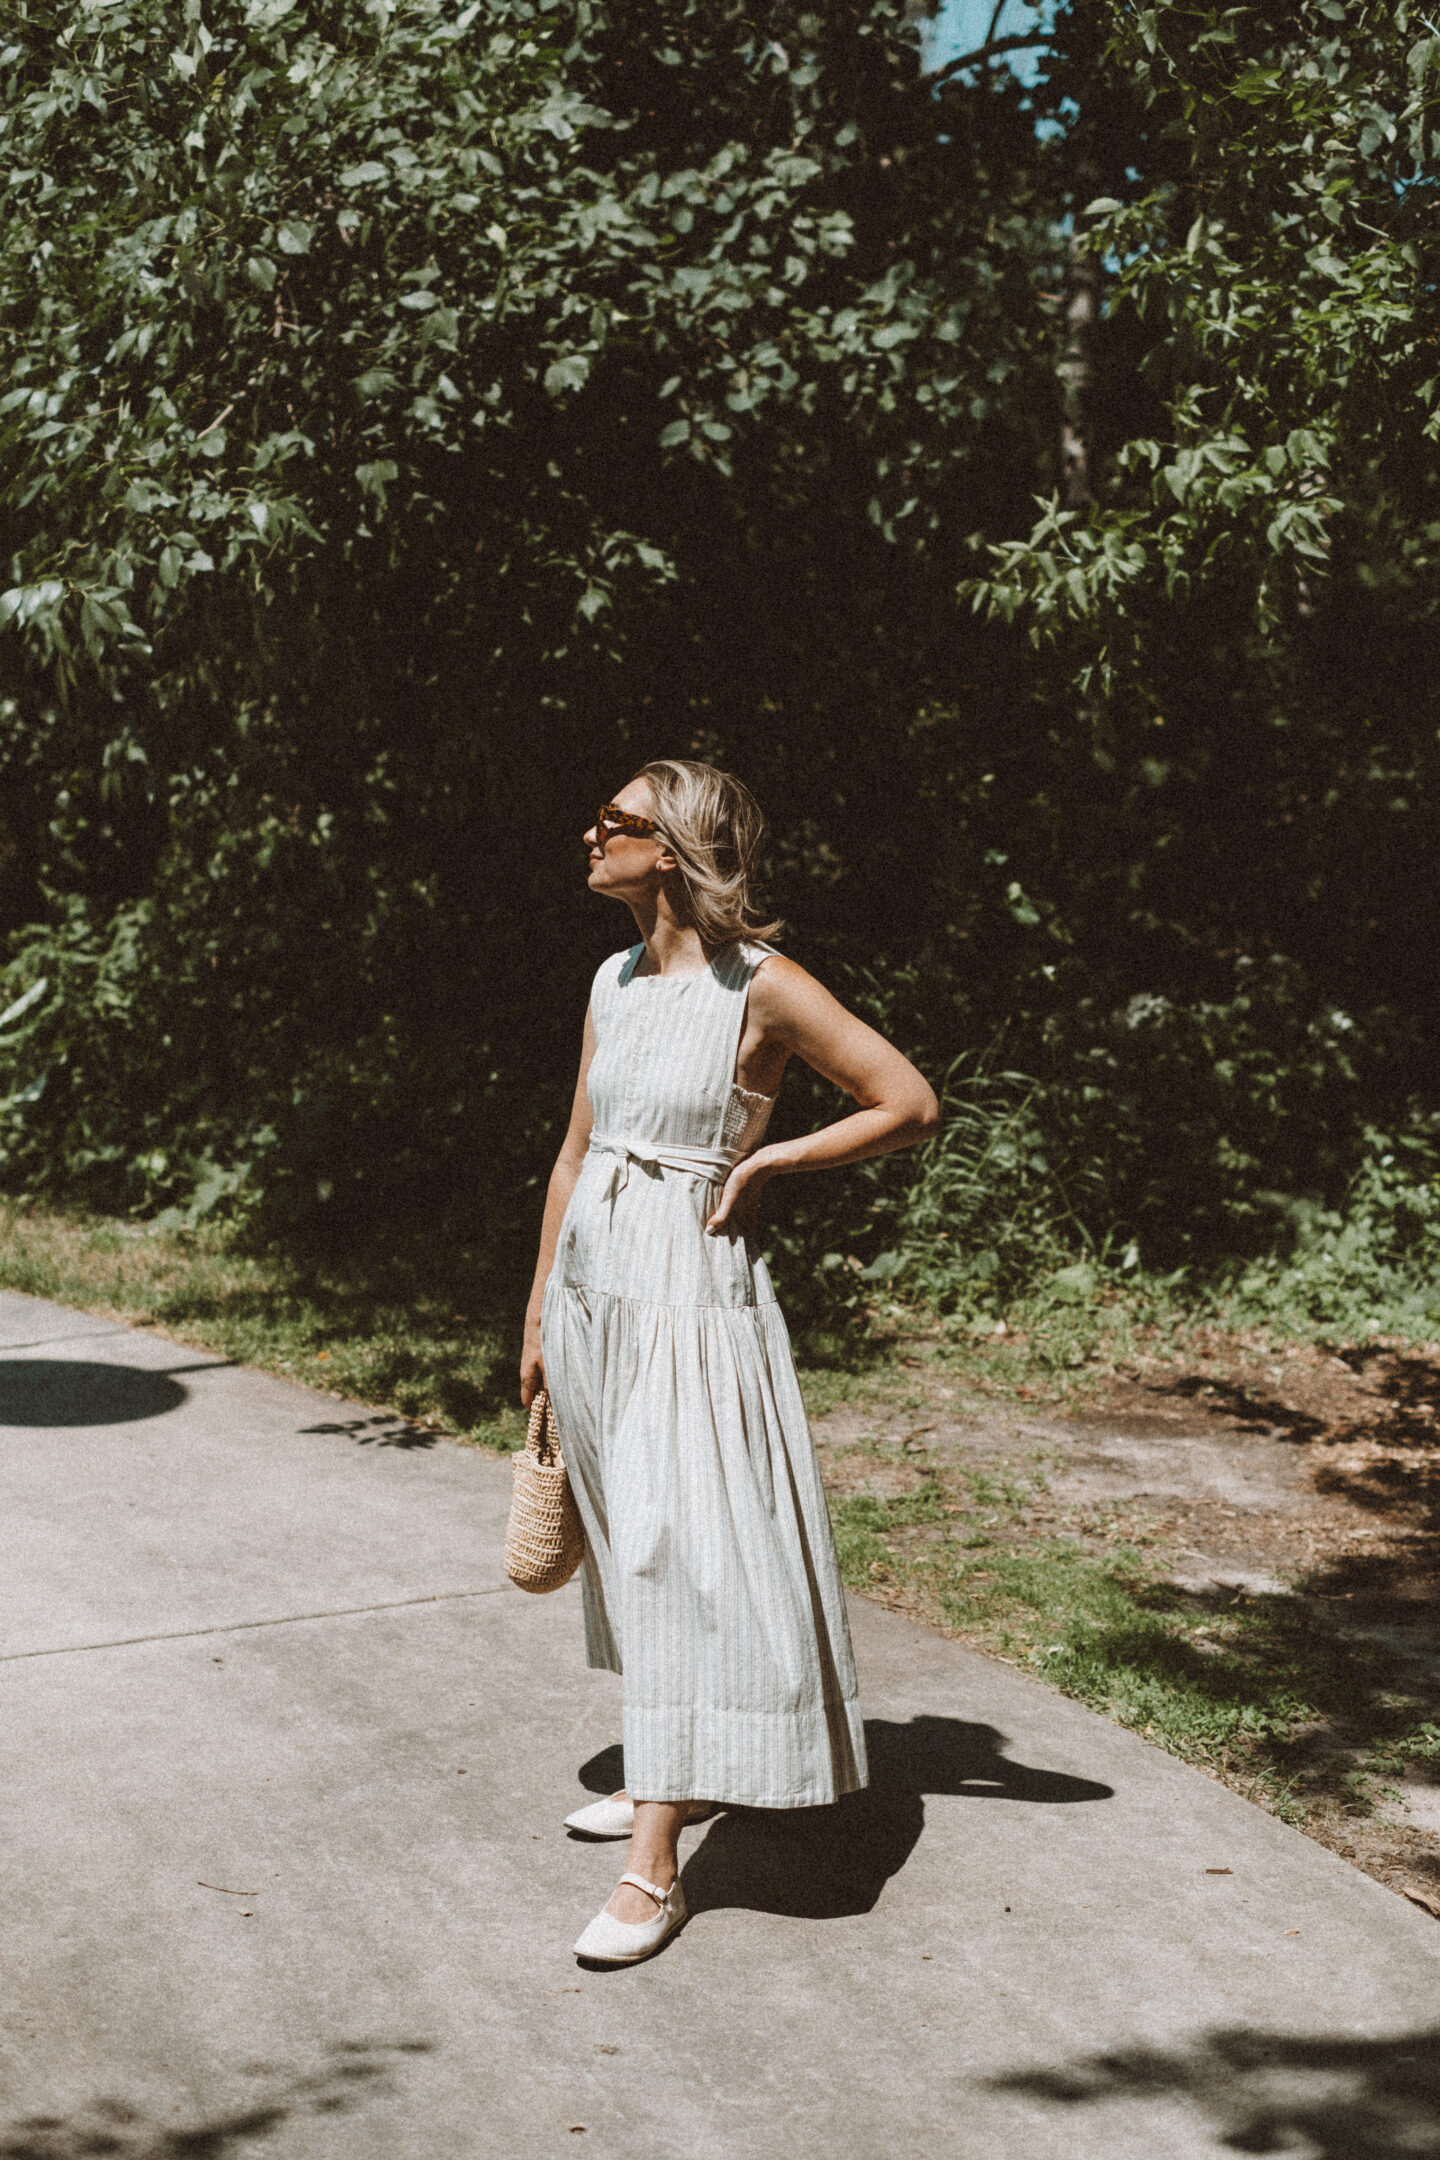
[(711, 1164)]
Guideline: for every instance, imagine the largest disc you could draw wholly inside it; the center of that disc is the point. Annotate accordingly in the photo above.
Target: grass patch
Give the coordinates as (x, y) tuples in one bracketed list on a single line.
[(426, 1338), (1269, 1693)]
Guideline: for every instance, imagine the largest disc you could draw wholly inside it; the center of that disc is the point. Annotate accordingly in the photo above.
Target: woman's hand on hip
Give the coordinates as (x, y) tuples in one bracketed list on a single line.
[(738, 1208)]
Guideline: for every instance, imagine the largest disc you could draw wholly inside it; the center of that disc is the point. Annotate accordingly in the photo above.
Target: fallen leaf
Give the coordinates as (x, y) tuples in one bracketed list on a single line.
[(1426, 1904), (1219, 1871), (1292, 1931)]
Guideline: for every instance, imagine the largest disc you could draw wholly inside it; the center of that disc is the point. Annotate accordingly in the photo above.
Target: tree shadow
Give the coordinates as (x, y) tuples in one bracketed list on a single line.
[(81, 1391), (1384, 1462), (438, 1314), (354, 2070), (1334, 2098), (1251, 1412), (823, 1863), (383, 1431), (1391, 1470)]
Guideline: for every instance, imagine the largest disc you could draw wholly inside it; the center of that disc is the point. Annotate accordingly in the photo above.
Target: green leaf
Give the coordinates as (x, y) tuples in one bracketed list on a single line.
[(441, 328), (363, 175), (569, 373), (1024, 910), (375, 477), (24, 603)]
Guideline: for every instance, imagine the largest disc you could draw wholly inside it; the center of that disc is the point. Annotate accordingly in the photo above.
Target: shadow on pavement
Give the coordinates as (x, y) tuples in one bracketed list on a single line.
[(1333, 2099), (81, 1391), (384, 1431), (356, 2069), (822, 1863)]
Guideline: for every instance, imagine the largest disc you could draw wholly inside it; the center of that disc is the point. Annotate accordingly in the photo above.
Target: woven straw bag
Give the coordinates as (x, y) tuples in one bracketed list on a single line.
[(544, 1543)]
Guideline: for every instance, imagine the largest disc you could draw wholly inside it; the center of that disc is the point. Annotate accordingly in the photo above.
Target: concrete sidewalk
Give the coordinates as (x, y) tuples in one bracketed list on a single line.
[(285, 1765)]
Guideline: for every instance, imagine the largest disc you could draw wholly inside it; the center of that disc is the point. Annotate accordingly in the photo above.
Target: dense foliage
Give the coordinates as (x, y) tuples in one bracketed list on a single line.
[(415, 415)]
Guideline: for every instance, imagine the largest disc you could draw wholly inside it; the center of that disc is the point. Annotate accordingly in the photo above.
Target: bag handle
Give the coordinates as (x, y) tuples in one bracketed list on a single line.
[(543, 1439)]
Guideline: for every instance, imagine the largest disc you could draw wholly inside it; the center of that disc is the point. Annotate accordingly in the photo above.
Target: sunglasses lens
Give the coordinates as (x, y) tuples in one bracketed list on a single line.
[(611, 821)]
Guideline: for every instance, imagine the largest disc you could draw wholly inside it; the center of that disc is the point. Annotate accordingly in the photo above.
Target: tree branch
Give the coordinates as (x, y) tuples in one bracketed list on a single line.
[(982, 52)]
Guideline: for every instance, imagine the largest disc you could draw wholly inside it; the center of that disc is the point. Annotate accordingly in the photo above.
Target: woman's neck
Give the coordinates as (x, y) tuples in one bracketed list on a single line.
[(671, 947)]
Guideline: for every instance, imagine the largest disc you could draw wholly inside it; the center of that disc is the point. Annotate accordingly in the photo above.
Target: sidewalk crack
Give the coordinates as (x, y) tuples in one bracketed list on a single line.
[(239, 1627), (43, 1342)]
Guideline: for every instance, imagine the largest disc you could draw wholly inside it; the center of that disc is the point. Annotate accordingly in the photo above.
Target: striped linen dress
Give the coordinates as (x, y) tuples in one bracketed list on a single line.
[(710, 1579)]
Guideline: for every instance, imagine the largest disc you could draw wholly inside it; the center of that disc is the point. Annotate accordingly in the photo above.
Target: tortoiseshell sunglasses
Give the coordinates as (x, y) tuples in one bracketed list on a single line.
[(612, 819)]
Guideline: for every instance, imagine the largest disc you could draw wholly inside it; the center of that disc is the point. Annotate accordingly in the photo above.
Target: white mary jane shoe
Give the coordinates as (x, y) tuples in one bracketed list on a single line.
[(609, 1941), (616, 1818), (603, 1819)]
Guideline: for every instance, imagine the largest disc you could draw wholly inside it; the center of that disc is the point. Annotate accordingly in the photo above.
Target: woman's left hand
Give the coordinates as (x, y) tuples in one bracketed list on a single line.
[(738, 1208)]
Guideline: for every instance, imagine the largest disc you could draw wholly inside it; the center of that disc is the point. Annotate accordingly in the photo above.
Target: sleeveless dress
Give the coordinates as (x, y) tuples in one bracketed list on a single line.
[(710, 1579)]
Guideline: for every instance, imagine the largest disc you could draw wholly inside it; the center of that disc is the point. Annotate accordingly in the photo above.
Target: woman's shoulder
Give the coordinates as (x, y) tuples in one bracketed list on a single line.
[(765, 964), (743, 960), (780, 989)]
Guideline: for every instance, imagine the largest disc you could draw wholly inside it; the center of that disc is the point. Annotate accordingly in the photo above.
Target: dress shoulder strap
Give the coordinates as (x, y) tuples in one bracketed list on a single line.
[(609, 977), (738, 962)]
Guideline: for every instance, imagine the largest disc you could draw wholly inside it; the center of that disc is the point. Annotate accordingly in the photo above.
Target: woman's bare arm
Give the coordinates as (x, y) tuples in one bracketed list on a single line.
[(557, 1199), (792, 1015)]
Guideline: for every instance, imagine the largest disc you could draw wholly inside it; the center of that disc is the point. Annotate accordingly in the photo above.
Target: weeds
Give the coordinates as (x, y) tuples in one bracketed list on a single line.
[(1000, 1236)]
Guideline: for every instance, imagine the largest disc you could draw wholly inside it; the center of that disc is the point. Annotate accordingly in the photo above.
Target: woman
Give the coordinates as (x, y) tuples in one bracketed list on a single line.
[(710, 1578)]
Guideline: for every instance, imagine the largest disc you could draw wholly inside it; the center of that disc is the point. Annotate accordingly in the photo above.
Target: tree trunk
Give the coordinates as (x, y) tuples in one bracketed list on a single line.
[(1077, 369)]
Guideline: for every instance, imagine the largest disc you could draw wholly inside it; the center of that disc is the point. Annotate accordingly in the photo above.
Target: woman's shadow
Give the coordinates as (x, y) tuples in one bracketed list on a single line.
[(821, 1863)]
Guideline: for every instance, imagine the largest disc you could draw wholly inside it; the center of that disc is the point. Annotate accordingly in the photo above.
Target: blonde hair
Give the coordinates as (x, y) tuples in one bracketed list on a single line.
[(713, 826)]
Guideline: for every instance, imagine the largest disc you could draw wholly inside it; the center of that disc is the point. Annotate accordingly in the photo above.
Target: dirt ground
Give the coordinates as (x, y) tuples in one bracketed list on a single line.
[(1244, 1470)]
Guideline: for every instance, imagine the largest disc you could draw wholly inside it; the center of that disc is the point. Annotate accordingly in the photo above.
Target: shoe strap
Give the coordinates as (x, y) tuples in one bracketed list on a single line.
[(661, 1897)]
